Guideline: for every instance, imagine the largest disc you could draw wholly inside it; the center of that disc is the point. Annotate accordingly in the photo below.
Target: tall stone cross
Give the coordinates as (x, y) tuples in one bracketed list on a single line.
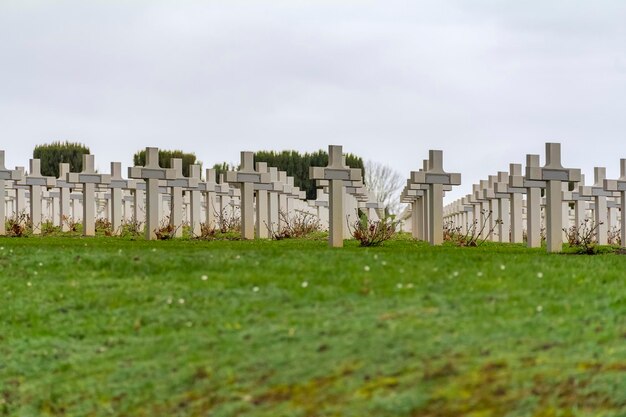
[(502, 201), (554, 174), (516, 201), (336, 172), (601, 211), (619, 185), (263, 222), (195, 199), (580, 202), (89, 178), (117, 185), (248, 178), (413, 196), (209, 188), (436, 178), (5, 175), (273, 198), (151, 172), (36, 182), (177, 184), (533, 201), (65, 191)]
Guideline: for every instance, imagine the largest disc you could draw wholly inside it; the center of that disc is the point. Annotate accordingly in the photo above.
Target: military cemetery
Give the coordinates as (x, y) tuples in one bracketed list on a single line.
[(312, 209), (529, 215)]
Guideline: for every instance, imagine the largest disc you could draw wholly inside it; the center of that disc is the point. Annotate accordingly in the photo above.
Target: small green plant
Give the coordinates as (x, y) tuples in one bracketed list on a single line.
[(104, 226), (48, 228), (582, 238), (131, 228), (72, 224), (373, 233), (300, 225)]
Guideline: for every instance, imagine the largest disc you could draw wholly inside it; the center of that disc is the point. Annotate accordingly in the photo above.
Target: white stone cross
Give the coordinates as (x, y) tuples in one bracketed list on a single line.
[(65, 190), (176, 185), (195, 199), (599, 195), (435, 177), (502, 200), (210, 187), (117, 185), (89, 178), (516, 199), (533, 201), (554, 174), (36, 182), (336, 172), (6, 175), (152, 173), (247, 177), (262, 202), (619, 185)]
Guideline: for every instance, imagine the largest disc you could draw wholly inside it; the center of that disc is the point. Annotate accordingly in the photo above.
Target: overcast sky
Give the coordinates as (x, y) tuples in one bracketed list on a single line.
[(485, 81)]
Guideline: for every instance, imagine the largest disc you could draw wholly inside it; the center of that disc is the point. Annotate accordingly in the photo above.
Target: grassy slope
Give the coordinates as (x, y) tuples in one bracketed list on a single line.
[(114, 327)]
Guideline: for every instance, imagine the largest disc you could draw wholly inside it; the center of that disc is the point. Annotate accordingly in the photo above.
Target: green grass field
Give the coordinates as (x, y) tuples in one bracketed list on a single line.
[(113, 327)]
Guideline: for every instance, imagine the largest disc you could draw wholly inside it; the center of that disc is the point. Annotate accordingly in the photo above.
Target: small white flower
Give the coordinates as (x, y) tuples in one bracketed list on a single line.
[(539, 309), (169, 300), (479, 274), (204, 277), (181, 301), (119, 251), (1, 247), (455, 274), (502, 267), (539, 274), (153, 249), (399, 285), (409, 285), (366, 268), (255, 289), (40, 263), (304, 284), (29, 284), (383, 263), (237, 257), (35, 272), (375, 256)]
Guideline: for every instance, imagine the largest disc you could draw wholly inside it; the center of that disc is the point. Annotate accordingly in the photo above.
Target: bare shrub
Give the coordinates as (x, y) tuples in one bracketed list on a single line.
[(583, 237), (373, 233), (19, 225), (299, 225)]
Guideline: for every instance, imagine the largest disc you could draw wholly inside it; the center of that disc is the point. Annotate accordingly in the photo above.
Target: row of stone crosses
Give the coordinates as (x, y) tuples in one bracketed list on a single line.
[(260, 193)]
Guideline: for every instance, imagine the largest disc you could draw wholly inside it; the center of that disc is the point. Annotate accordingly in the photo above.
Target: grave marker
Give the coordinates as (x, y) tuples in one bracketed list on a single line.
[(435, 177), (89, 178), (248, 178), (5, 175), (336, 173), (151, 173), (619, 185), (554, 174)]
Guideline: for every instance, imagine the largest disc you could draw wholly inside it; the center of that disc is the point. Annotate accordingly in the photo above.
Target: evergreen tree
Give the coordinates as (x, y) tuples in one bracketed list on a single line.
[(52, 154)]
